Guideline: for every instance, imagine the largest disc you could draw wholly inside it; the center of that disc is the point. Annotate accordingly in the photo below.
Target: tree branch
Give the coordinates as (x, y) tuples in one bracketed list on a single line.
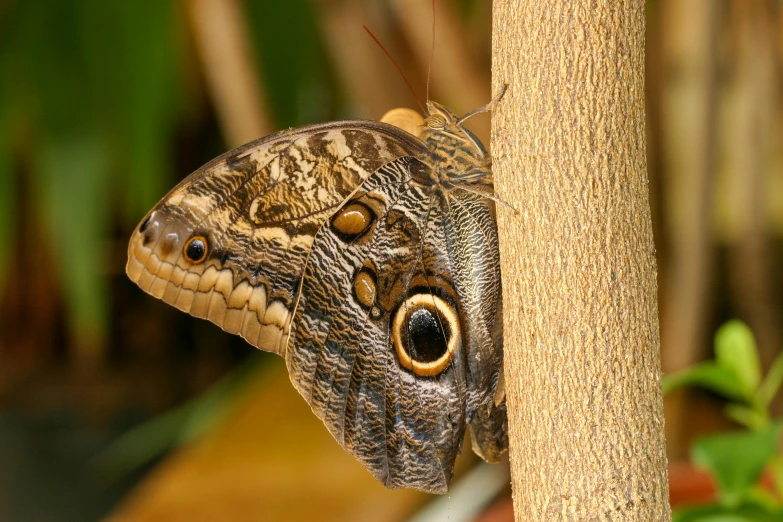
[(582, 344)]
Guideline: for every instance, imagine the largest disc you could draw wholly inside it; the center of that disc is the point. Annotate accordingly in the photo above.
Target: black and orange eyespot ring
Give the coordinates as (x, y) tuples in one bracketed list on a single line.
[(196, 249)]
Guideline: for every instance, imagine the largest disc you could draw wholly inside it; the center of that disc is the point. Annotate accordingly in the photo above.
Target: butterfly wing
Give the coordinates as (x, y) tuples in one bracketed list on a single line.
[(230, 242), (391, 344), (489, 429), (384, 276)]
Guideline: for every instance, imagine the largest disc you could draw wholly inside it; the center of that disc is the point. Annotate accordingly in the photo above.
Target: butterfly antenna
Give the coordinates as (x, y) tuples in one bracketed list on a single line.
[(487, 107), (432, 52), (487, 195), (399, 69)]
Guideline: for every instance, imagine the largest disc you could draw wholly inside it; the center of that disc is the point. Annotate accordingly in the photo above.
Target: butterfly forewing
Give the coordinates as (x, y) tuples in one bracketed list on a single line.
[(257, 209)]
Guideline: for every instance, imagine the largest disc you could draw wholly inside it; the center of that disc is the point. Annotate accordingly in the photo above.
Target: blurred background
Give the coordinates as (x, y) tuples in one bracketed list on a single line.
[(116, 406)]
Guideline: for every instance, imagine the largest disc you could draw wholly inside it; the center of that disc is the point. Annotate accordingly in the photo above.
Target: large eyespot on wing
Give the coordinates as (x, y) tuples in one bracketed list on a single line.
[(386, 279), (426, 333), (230, 242)]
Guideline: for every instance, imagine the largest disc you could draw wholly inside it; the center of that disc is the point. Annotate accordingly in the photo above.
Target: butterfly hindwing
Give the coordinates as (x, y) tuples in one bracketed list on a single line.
[(391, 252)]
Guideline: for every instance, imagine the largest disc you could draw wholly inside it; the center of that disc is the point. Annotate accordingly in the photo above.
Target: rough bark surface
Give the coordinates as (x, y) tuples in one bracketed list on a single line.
[(582, 343)]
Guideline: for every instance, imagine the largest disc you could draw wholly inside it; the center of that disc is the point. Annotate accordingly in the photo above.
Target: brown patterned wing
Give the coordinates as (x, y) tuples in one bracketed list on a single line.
[(489, 430), (230, 242), (391, 344)]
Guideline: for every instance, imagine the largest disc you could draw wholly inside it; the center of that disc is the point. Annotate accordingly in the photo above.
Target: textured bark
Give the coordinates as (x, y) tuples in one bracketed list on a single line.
[(582, 343)]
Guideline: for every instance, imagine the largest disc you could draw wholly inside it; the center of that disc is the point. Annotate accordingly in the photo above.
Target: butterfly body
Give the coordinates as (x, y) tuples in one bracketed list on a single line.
[(367, 258)]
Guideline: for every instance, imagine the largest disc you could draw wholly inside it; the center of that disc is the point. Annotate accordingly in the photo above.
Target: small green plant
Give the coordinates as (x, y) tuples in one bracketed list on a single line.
[(737, 460)]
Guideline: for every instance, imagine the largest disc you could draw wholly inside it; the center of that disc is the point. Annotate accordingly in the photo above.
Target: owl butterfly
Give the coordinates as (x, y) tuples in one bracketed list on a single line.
[(367, 257)]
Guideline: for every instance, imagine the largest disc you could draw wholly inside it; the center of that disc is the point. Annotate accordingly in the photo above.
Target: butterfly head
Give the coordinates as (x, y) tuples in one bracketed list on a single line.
[(456, 154), (444, 127)]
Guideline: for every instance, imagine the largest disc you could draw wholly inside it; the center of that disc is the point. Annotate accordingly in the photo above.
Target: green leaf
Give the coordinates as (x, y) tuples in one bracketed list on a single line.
[(751, 418), (142, 444), (762, 497), (776, 468), (711, 376), (771, 383), (8, 194), (735, 349), (71, 190), (179, 426), (297, 76), (149, 33), (736, 460)]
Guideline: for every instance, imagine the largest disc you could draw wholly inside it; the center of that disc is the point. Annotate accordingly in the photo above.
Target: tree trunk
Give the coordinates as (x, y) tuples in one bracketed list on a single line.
[(582, 344)]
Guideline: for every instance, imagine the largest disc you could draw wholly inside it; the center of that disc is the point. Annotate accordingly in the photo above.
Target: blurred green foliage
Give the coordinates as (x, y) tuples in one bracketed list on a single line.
[(92, 96), (7, 184), (294, 64), (735, 374), (736, 460), (150, 440)]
